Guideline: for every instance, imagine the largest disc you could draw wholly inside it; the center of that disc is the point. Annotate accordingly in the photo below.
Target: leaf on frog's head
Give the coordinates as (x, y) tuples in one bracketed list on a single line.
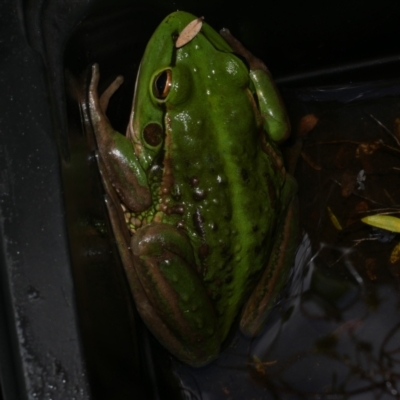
[(189, 32)]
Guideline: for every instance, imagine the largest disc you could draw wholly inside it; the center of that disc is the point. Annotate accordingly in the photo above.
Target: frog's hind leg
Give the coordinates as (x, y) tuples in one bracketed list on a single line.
[(123, 240), (275, 275), (271, 107), (170, 295)]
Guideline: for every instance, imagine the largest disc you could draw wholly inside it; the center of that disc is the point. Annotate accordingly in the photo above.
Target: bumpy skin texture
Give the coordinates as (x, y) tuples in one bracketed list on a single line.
[(212, 215)]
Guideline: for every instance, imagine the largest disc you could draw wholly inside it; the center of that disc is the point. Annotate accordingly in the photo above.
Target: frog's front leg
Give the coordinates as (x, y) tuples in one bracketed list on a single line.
[(272, 109), (119, 163), (173, 300), (275, 275)]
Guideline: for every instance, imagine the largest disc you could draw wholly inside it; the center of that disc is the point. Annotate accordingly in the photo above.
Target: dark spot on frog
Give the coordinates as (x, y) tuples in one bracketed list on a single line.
[(153, 134), (198, 222), (271, 190), (255, 276), (228, 279), (218, 282), (257, 250), (214, 226), (199, 194), (204, 251), (245, 175), (225, 251), (255, 228), (176, 209), (216, 295), (227, 217), (194, 181)]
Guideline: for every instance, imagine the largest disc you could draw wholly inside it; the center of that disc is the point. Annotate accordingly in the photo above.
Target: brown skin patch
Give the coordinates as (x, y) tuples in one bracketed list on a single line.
[(204, 251), (273, 154), (167, 178), (178, 209)]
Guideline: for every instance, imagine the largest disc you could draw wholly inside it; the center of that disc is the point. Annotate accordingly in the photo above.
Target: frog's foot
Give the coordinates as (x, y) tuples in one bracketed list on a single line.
[(253, 62), (98, 105), (168, 312), (170, 296), (275, 275), (270, 103), (106, 95), (118, 160)]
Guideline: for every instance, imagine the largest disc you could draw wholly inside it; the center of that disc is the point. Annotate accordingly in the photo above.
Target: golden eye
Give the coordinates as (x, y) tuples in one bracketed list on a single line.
[(162, 84)]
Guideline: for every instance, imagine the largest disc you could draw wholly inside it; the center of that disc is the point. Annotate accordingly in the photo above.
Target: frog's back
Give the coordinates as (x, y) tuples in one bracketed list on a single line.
[(229, 187), (222, 187), (240, 239)]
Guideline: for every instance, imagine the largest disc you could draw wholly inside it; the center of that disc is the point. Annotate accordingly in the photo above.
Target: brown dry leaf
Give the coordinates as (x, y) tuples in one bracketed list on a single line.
[(371, 268), (362, 206), (261, 366), (394, 264), (368, 148), (189, 32), (306, 124), (310, 162), (348, 183), (395, 255)]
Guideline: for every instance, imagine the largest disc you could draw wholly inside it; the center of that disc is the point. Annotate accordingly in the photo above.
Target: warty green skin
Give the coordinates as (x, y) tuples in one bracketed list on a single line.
[(213, 193)]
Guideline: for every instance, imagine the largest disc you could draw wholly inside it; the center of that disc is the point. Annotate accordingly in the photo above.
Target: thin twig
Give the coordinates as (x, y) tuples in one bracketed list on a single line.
[(385, 129)]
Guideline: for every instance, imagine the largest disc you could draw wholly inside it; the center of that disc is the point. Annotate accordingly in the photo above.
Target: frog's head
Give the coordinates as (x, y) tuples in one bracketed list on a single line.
[(185, 87)]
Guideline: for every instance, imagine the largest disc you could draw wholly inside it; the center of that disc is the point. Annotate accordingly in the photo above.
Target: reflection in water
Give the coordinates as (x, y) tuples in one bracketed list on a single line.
[(336, 332)]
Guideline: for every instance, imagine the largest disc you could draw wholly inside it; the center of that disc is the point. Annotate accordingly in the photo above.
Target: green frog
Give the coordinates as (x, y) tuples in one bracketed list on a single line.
[(202, 210)]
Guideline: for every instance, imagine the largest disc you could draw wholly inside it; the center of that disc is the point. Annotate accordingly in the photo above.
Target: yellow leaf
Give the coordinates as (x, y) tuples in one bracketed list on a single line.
[(395, 255), (387, 222), (334, 220)]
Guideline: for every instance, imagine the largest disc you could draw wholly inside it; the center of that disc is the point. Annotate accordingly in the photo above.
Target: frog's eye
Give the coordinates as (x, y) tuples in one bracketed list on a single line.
[(162, 84)]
